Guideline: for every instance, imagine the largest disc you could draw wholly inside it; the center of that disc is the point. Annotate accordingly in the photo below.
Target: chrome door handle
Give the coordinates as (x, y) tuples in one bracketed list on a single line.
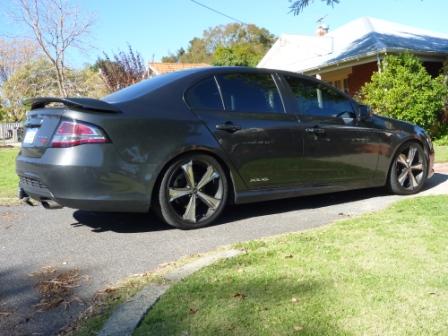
[(315, 130), (228, 127)]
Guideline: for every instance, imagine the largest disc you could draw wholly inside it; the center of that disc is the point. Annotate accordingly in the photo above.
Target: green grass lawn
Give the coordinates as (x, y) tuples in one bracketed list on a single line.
[(8, 177), (441, 153), (379, 274)]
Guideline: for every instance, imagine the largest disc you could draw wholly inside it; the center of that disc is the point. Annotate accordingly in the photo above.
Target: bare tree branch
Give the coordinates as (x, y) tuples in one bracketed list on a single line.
[(14, 53), (56, 27)]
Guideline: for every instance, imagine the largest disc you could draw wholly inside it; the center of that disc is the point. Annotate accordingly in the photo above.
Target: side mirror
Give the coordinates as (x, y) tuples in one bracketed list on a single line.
[(364, 112)]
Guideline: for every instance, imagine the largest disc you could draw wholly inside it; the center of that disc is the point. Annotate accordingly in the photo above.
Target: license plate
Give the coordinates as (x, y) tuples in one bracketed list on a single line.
[(30, 135)]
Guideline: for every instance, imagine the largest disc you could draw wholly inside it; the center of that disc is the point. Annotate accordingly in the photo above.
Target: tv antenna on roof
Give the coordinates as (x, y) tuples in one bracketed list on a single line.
[(321, 20)]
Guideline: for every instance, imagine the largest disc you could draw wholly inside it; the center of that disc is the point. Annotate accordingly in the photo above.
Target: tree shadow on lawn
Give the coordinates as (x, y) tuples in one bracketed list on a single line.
[(135, 223), (255, 306)]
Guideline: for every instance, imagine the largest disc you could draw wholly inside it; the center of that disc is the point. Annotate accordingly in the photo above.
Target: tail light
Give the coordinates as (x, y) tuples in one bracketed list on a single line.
[(73, 133)]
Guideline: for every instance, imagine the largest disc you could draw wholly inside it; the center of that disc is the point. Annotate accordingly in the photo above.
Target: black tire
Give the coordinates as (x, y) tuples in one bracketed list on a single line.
[(187, 204), (400, 180)]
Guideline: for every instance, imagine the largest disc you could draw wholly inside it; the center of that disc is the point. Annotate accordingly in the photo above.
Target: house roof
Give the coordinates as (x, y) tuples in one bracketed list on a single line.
[(161, 68), (359, 38)]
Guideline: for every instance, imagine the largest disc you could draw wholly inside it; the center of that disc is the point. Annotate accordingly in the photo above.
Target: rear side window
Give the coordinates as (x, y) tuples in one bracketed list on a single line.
[(317, 99), (204, 95), (250, 93), (145, 87)]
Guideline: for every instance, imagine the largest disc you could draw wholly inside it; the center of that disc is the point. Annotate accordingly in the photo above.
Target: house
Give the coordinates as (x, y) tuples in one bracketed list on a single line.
[(156, 69), (348, 56)]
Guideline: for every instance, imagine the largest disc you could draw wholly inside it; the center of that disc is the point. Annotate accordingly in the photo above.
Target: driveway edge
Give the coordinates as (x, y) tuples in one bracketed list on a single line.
[(125, 319)]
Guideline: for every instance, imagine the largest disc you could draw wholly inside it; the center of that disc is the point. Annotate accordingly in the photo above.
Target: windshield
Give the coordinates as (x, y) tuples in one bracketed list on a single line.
[(144, 87)]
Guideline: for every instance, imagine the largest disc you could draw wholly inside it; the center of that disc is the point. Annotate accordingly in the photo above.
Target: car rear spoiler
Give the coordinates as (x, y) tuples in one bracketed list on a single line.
[(81, 103)]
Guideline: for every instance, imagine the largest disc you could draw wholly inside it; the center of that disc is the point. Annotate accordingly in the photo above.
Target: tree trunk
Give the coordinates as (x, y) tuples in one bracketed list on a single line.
[(61, 80)]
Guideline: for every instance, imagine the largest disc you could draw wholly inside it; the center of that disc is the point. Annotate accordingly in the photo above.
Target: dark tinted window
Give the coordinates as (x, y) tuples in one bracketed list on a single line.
[(204, 95), (250, 93), (317, 99)]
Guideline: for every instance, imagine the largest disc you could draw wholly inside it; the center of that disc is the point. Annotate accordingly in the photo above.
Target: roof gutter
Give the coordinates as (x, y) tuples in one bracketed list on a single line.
[(375, 54)]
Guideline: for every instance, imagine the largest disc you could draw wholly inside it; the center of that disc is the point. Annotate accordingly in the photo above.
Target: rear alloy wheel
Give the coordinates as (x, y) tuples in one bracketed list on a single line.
[(193, 192), (409, 169)]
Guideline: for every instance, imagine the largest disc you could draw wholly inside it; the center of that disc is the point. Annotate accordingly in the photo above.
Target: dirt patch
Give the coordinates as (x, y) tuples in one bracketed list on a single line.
[(8, 216), (57, 287)]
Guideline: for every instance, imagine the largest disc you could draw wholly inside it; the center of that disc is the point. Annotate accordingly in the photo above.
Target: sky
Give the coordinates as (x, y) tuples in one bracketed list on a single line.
[(156, 27)]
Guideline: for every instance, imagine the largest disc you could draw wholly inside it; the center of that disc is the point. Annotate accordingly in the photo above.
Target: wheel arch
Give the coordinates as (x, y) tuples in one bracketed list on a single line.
[(232, 176), (399, 145)]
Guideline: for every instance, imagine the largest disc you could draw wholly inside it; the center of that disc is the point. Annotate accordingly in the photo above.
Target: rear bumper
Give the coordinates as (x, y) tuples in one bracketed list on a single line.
[(89, 177)]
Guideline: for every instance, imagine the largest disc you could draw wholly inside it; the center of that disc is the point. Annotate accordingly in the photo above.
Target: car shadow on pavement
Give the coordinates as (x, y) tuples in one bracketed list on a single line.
[(239, 212), (243, 211), (134, 223), (119, 222), (434, 181)]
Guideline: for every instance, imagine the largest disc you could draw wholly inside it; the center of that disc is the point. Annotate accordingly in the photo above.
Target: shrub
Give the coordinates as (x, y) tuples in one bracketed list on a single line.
[(405, 90)]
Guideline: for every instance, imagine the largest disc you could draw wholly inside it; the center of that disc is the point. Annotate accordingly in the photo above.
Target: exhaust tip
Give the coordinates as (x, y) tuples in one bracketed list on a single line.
[(51, 205)]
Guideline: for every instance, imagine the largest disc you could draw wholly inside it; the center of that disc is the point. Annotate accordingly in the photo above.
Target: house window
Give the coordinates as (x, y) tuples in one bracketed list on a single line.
[(340, 84)]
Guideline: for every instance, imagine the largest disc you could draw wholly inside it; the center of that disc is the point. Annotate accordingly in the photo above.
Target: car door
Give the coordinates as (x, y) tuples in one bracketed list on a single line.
[(338, 148), (246, 115)]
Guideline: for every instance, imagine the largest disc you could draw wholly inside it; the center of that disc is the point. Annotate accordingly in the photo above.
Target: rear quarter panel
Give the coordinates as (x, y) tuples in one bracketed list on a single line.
[(154, 129)]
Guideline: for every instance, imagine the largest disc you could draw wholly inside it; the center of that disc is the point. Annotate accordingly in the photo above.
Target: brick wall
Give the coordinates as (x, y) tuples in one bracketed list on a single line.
[(360, 74), (363, 72)]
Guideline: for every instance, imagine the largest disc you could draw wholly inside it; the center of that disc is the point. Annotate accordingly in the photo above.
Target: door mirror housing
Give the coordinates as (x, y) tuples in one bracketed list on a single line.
[(364, 112)]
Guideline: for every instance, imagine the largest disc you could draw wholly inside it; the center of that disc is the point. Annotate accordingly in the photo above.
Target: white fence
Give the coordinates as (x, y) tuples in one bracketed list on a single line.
[(11, 132)]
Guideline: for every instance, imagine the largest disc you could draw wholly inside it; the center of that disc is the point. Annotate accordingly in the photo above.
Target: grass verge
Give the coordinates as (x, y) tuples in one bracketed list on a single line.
[(379, 274), (103, 304), (441, 153), (8, 177)]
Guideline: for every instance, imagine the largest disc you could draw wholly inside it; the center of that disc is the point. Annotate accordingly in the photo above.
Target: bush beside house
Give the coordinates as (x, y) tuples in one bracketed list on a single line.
[(404, 90)]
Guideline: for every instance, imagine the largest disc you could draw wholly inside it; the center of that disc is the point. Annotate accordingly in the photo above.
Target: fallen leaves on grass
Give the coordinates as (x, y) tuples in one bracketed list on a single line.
[(298, 328), (240, 296), (56, 288)]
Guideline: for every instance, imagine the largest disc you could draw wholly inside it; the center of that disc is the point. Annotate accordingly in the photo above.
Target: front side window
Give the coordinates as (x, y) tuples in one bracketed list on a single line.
[(204, 95), (249, 92), (320, 100)]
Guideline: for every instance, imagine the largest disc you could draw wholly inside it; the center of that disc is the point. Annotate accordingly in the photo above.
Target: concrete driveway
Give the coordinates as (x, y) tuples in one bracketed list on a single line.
[(108, 247)]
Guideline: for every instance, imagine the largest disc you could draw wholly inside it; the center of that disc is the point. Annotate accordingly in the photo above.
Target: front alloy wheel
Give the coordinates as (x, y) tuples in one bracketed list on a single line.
[(409, 169), (193, 192)]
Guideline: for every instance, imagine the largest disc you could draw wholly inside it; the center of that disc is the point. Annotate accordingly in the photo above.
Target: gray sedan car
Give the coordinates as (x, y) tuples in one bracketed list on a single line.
[(187, 143)]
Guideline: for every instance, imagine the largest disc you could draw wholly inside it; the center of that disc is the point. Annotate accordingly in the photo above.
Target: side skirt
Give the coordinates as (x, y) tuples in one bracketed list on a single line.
[(253, 196)]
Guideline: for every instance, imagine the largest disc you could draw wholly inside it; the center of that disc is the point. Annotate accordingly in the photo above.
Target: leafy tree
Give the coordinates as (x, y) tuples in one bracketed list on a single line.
[(173, 58), (38, 78), (223, 45), (2, 113), (299, 5), (13, 54), (404, 90), (122, 69), (241, 54), (197, 52)]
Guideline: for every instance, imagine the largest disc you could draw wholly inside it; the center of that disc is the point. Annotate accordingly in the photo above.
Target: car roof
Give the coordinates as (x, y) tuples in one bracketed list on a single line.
[(213, 70)]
